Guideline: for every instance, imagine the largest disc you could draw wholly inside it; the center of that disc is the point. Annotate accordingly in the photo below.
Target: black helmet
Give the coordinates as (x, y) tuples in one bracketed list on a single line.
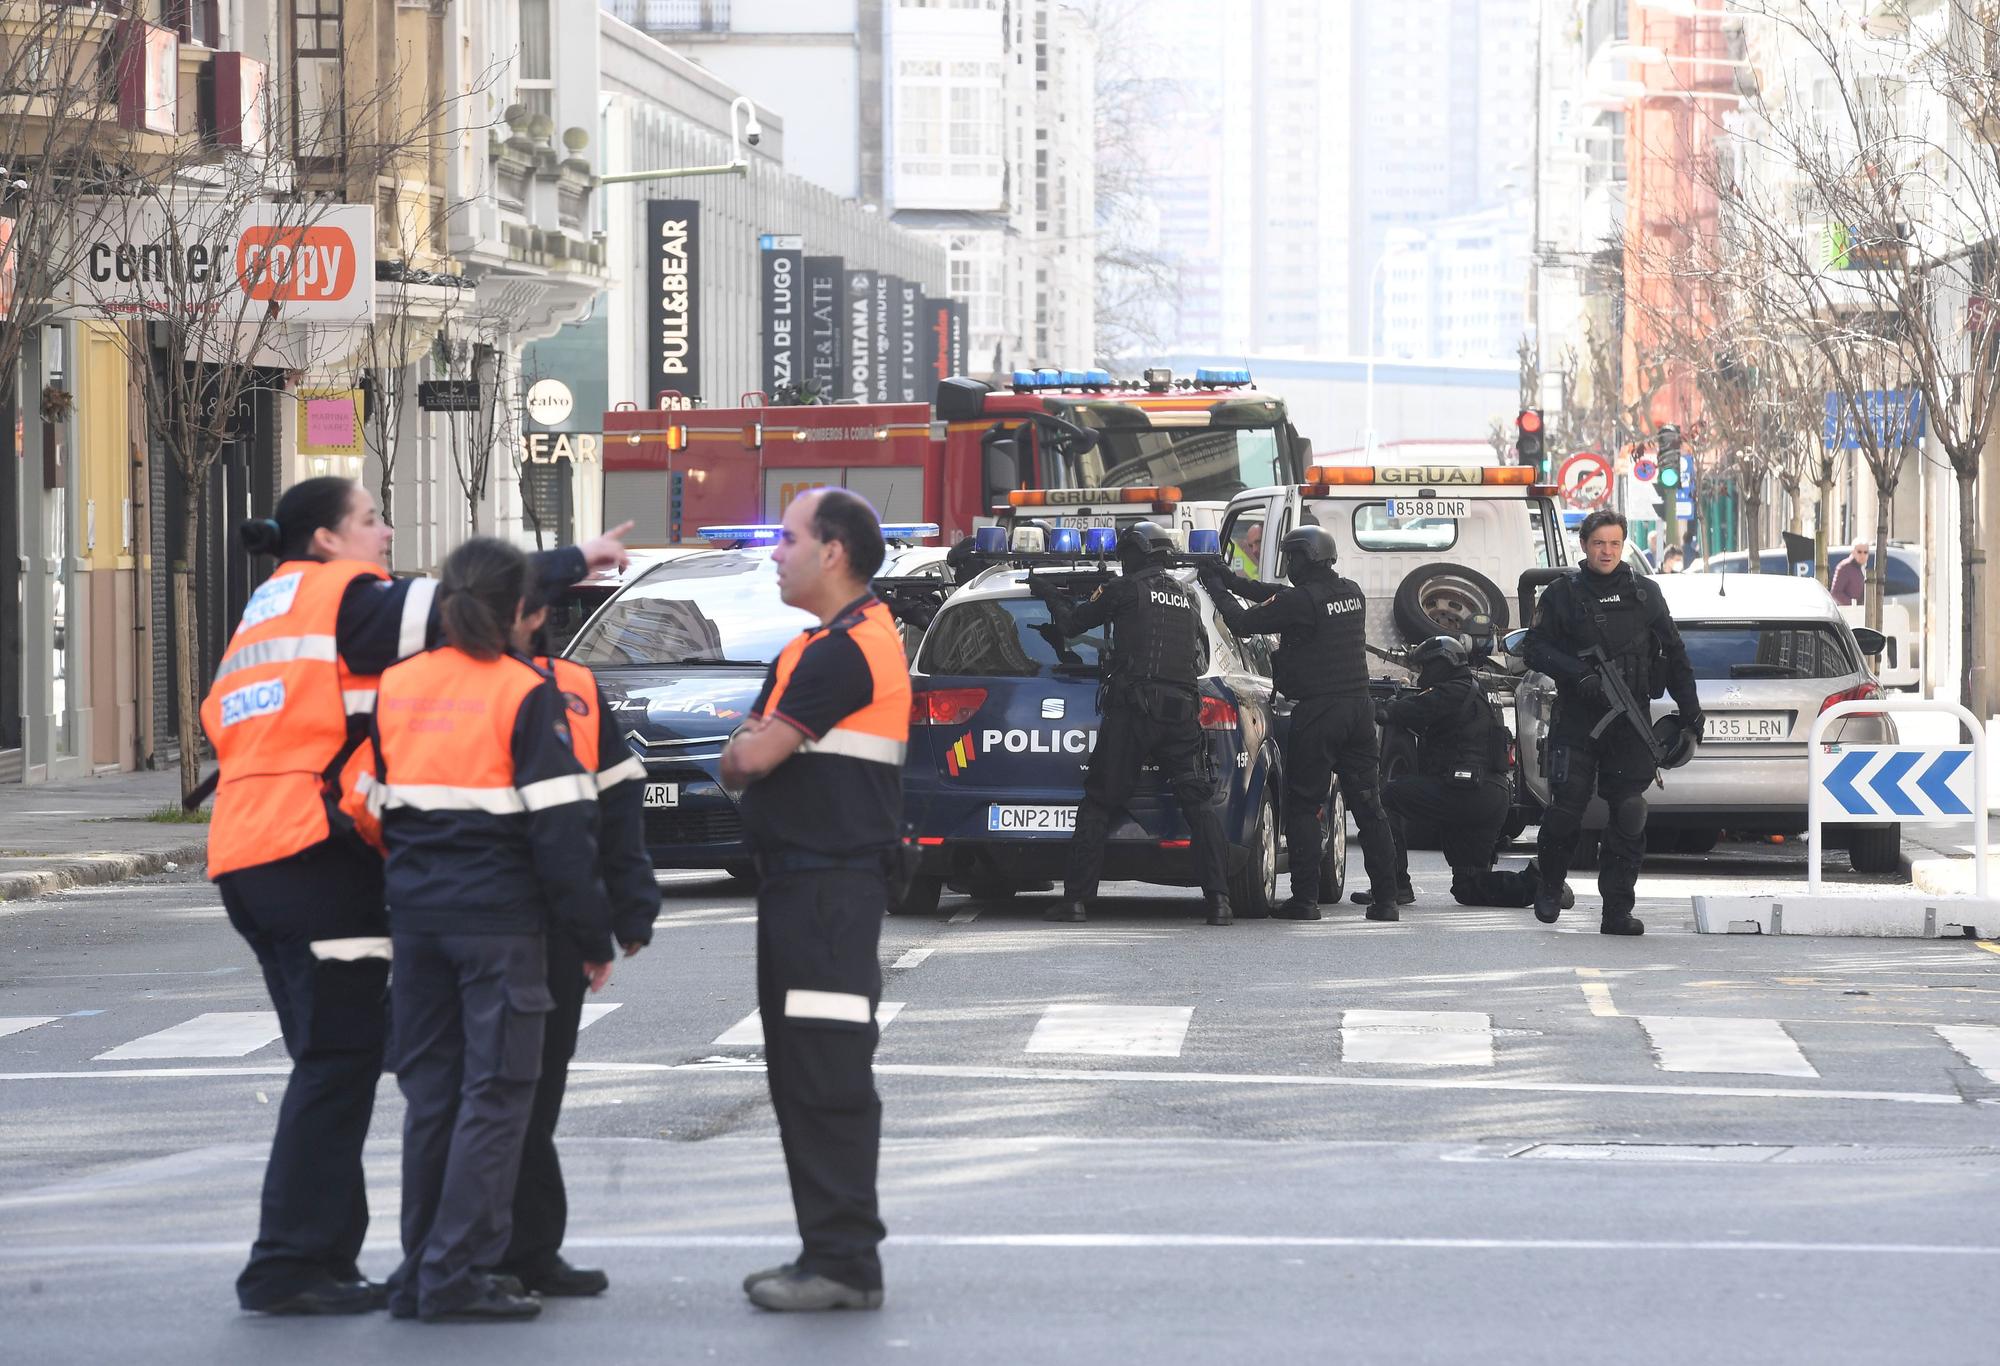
[(1676, 741), (1314, 544), (1438, 657), (1144, 542)]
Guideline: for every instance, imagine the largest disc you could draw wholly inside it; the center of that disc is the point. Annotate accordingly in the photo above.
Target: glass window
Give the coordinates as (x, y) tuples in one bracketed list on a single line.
[(706, 608), (1740, 650), (1013, 638), (1376, 529), (1243, 543)]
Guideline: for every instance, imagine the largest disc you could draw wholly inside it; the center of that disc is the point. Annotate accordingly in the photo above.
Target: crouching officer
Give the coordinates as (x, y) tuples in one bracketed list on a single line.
[(1152, 710), (541, 1202), (1322, 665), (1462, 784), (822, 761), (1603, 605)]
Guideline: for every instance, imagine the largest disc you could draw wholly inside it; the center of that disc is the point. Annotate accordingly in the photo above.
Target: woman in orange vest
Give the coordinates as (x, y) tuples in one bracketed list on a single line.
[(288, 709), (490, 825)]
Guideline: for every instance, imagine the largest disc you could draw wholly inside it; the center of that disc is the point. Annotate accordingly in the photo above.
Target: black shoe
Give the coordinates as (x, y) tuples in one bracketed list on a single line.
[(1068, 912), (1405, 896), (1548, 907), (1622, 923), (496, 1300), (1296, 909), (329, 1297), (1384, 910), (1219, 912), (557, 1279), (803, 1292), (769, 1273)]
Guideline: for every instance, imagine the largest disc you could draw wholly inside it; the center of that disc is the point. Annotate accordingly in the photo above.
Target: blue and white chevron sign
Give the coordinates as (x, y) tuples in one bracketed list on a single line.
[(1889, 783)]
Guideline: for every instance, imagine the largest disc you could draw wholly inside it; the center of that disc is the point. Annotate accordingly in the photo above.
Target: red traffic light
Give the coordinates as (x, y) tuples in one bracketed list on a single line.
[(1530, 420)]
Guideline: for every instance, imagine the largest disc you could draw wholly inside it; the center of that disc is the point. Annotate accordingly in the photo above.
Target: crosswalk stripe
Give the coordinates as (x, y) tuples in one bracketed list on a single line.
[(750, 1029), (1699, 1043), (218, 1034), (14, 1024), (1418, 1038), (594, 1012), (1114, 1031), (1977, 1044)]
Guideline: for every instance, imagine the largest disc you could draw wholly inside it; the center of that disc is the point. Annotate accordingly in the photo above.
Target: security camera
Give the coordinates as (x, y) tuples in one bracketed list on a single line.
[(753, 130)]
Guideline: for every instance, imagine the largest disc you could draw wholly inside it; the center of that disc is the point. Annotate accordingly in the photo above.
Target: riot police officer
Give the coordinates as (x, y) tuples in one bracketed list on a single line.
[(1152, 710), (1322, 665), (1462, 783), (1602, 605)]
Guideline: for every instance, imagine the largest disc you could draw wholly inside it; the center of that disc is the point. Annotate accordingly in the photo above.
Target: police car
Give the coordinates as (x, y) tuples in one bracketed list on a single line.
[(680, 651), (1004, 715)]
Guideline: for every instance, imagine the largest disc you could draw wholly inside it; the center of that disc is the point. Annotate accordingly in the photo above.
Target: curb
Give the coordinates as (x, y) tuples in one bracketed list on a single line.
[(96, 869)]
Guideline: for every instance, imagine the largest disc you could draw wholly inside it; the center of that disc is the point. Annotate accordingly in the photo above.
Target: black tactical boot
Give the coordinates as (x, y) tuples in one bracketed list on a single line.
[(1218, 910), (1295, 908), (1383, 910), (1549, 904), (1621, 922), (1070, 912), (1406, 895)]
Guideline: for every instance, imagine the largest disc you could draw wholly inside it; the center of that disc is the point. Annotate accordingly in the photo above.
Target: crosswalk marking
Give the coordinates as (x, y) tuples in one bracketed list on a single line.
[(14, 1024), (218, 1034), (594, 1012), (1115, 1031), (1697, 1043), (1419, 1038), (750, 1029), (1977, 1044)]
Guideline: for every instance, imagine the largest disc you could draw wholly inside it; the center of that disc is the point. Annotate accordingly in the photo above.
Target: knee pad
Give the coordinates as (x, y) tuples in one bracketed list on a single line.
[(1628, 814)]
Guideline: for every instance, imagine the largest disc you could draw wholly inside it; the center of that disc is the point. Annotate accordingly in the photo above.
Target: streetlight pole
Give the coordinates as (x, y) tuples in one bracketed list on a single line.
[(1374, 274), (742, 124)]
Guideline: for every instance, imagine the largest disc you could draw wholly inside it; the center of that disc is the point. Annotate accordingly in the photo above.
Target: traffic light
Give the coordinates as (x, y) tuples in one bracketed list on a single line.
[(1528, 436), (1669, 477)]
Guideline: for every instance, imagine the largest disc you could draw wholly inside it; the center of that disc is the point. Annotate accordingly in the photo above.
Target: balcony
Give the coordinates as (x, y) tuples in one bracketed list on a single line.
[(673, 16)]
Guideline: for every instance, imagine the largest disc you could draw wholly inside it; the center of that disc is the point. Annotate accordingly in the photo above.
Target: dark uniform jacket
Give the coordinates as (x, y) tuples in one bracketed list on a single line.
[(1322, 630), (1156, 634), (1627, 615), (1456, 730), (601, 748)]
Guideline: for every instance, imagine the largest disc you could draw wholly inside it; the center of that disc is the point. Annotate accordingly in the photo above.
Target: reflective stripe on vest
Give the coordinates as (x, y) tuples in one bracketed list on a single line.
[(280, 650), (623, 772), (879, 732)]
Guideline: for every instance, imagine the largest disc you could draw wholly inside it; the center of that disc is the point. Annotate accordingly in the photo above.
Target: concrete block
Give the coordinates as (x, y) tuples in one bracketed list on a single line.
[(1883, 913)]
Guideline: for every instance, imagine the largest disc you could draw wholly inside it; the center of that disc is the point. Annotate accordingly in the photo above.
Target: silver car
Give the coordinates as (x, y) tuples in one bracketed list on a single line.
[(1770, 653)]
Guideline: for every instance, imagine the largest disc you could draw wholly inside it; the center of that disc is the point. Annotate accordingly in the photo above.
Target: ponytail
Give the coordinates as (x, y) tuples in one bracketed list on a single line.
[(481, 590), (305, 508)]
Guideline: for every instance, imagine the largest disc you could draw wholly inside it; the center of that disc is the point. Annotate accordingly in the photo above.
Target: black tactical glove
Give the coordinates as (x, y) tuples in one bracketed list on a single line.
[(1692, 723), (1042, 589)]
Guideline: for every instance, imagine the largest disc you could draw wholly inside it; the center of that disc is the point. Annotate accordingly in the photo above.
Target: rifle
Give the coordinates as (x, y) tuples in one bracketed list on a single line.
[(1619, 694)]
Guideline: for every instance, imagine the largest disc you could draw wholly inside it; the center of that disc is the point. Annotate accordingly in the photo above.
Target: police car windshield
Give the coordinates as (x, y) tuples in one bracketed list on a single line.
[(1006, 638), (707, 610), (1200, 462)]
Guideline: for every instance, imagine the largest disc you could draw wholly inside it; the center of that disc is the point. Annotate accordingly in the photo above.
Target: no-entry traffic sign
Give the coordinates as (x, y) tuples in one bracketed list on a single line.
[(1585, 480)]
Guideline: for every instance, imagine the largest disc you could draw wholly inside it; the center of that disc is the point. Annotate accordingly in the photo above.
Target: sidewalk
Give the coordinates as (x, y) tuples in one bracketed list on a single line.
[(1938, 858), (88, 830)]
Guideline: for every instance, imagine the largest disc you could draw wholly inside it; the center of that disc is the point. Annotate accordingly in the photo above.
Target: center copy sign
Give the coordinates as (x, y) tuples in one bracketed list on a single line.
[(1892, 782)]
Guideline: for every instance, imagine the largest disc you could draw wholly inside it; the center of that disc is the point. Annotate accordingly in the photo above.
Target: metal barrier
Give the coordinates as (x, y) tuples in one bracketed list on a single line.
[(1908, 783)]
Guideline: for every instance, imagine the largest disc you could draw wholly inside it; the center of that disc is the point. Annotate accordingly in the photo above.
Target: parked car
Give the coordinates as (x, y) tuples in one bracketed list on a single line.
[(1770, 653), (1900, 664)]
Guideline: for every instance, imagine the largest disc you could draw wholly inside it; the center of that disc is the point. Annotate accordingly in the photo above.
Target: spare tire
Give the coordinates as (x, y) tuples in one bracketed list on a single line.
[(1442, 598)]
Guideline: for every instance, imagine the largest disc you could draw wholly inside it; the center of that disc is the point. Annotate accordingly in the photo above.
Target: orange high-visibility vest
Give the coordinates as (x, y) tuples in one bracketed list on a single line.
[(880, 731), (277, 715), (586, 723)]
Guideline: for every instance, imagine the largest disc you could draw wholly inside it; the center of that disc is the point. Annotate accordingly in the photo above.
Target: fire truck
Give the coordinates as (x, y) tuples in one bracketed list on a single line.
[(677, 467)]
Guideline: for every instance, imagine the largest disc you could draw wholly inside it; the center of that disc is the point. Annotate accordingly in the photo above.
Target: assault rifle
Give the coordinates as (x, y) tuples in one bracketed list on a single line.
[(1618, 695)]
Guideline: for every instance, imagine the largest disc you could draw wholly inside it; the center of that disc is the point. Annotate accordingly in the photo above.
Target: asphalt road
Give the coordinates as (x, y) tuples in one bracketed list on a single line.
[(1466, 1137)]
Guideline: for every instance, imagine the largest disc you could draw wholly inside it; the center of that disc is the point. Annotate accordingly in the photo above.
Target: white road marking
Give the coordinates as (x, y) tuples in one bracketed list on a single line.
[(14, 1024), (1977, 1044), (911, 959), (1112, 1031), (1418, 1038), (965, 917), (1708, 1043), (218, 1034), (749, 1031), (594, 1012)]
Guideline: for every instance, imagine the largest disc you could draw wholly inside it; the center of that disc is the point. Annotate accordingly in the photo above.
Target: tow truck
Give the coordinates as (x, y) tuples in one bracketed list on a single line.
[(678, 466)]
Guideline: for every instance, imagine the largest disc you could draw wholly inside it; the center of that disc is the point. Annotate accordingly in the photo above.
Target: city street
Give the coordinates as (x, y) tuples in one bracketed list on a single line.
[(1465, 1137)]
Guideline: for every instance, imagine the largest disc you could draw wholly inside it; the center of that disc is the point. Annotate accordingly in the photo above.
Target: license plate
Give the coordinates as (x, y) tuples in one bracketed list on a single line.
[(663, 794), (1432, 509), (1745, 725), (1083, 523), (1008, 820)]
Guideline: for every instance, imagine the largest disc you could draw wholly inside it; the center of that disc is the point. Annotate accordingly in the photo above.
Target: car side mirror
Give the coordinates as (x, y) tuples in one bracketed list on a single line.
[(1514, 642), (1000, 464), (1871, 641)]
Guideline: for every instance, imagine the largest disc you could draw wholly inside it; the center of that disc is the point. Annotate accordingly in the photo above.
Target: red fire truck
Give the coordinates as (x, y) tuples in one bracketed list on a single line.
[(674, 468)]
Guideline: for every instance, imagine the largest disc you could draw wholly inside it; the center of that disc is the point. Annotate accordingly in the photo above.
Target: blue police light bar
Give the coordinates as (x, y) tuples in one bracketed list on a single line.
[(1100, 540), (740, 535), (1048, 377), (909, 531), (1065, 540), (990, 540), (1024, 379), (1208, 374), (1204, 541), (1097, 379)]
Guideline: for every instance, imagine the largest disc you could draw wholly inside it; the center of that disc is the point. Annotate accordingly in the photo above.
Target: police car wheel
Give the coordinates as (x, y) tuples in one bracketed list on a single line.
[(921, 898), (1253, 886), (1333, 864), (1876, 849), (1442, 598)]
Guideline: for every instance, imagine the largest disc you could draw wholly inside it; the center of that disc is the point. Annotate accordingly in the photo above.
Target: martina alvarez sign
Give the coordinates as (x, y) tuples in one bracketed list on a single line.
[(308, 262)]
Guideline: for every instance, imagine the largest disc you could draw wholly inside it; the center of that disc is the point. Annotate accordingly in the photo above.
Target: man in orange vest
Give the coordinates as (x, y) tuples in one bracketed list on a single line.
[(820, 764)]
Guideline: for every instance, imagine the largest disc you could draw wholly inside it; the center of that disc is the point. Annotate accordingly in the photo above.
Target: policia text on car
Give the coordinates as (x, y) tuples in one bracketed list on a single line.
[(1322, 665), (289, 707), (1152, 710), (820, 765), (1601, 610)]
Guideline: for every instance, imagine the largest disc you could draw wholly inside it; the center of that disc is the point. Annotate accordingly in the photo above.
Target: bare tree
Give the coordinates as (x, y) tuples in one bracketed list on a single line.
[(473, 436)]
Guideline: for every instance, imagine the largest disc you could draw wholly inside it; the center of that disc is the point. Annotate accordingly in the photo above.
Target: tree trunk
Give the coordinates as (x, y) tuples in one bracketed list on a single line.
[(1753, 538), (1878, 562), (1823, 531), (1971, 669), (187, 648)]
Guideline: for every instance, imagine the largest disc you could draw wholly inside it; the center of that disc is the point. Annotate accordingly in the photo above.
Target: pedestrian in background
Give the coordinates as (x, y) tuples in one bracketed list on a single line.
[(287, 712), (1850, 576), (820, 766), (1670, 560), (491, 829)]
